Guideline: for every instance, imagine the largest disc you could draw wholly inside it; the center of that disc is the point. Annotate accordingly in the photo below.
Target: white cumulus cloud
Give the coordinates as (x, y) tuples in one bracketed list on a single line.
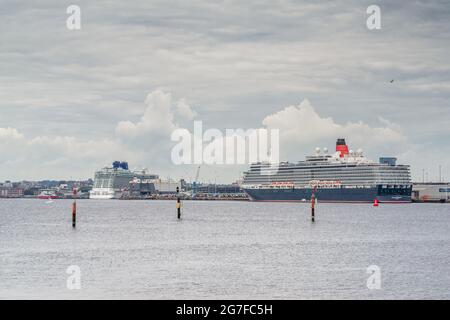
[(162, 115), (302, 128), (147, 142)]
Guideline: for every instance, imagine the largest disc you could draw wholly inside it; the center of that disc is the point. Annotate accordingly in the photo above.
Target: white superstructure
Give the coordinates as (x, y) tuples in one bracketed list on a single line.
[(109, 182)]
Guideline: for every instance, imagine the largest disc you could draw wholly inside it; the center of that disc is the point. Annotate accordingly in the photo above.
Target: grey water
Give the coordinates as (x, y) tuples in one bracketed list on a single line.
[(223, 250)]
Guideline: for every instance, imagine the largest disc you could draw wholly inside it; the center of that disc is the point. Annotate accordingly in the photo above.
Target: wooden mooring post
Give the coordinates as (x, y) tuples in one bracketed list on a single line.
[(178, 204), (313, 204), (74, 208)]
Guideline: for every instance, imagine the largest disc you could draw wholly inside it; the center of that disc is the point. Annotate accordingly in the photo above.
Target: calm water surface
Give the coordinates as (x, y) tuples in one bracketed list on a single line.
[(229, 250)]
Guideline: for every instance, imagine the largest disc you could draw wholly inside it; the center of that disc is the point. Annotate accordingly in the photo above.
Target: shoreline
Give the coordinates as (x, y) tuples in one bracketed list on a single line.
[(238, 199)]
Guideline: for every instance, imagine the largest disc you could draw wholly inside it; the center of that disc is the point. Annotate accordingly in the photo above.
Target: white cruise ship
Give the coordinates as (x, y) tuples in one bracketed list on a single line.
[(109, 182)]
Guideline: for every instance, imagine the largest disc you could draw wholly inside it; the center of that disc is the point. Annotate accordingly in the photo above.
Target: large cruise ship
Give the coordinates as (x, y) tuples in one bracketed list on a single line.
[(109, 182), (344, 176)]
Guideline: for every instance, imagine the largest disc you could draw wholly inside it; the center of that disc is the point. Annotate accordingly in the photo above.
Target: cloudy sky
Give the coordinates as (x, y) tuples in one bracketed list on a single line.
[(71, 101)]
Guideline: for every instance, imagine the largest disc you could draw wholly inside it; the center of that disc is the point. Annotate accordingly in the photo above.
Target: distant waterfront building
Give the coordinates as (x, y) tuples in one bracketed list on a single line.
[(10, 192), (431, 192), (45, 189), (146, 187), (211, 188)]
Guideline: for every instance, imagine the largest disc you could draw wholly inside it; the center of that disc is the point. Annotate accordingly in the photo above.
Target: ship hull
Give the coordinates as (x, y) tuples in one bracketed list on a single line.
[(101, 197), (102, 193), (328, 195), (42, 197)]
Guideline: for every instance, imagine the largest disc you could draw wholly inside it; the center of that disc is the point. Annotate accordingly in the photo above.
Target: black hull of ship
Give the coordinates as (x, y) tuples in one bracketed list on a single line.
[(364, 195)]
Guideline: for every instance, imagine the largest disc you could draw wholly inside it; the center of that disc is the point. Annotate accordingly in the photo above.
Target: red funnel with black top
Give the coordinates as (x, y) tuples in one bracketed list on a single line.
[(341, 147)]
